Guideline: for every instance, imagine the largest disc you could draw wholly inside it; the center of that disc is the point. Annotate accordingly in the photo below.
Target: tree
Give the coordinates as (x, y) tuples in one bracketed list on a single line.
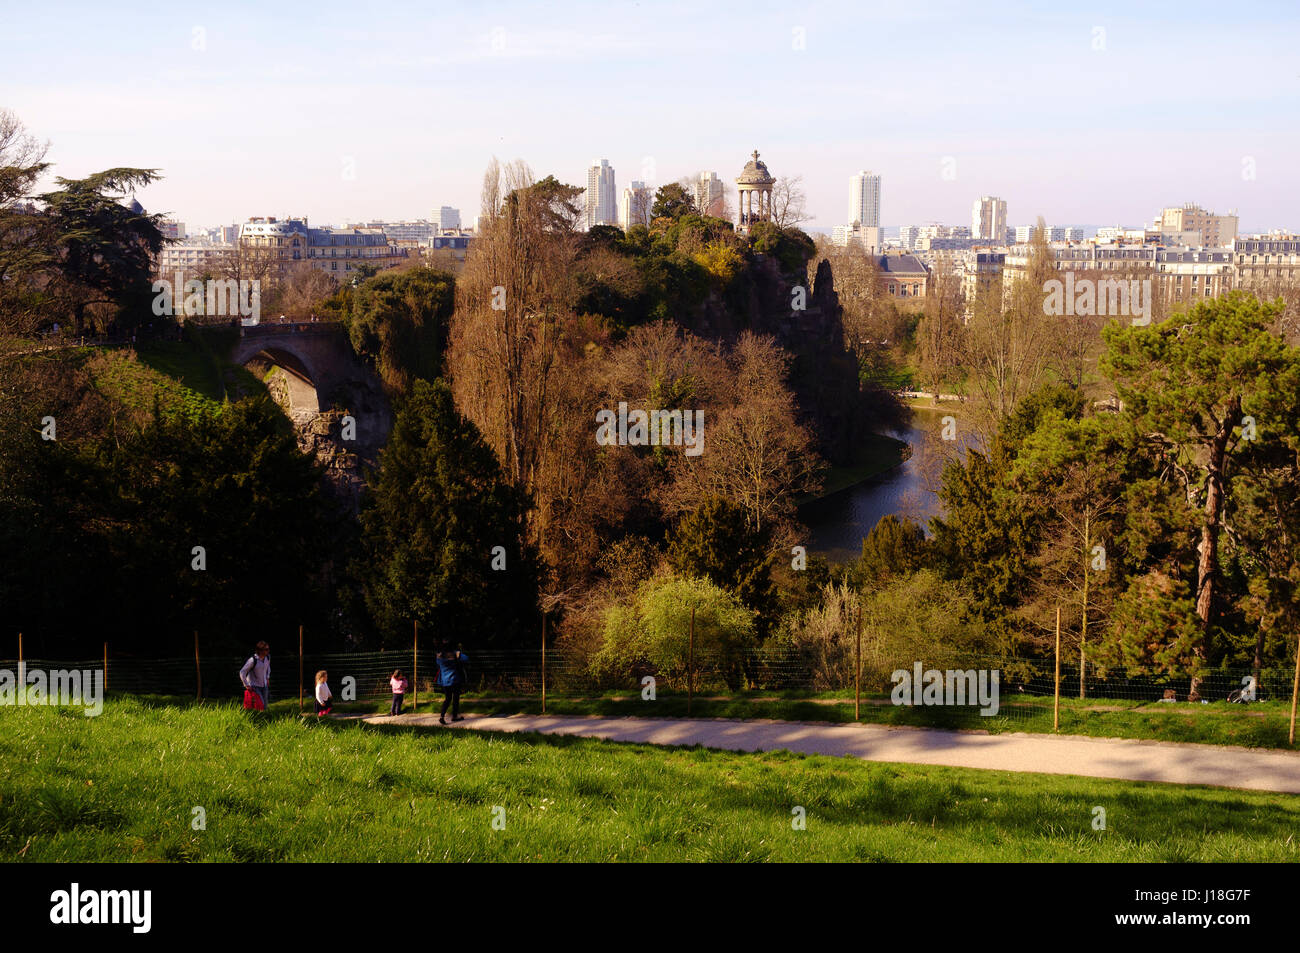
[(303, 290), (517, 287), (1073, 471), (235, 483), (1010, 348), (652, 631), (714, 542), (1199, 388), (940, 333), (789, 203), (758, 454), (892, 547), (24, 240), (673, 201), (985, 536), (400, 321), (105, 249), (443, 532)]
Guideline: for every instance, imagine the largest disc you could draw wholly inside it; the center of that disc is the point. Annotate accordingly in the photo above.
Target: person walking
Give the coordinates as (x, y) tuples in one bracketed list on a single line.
[(399, 685), (451, 680), (256, 673), (324, 697)]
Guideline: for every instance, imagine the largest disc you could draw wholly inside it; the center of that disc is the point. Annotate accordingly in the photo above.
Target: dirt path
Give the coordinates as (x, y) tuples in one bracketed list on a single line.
[(1124, 759)]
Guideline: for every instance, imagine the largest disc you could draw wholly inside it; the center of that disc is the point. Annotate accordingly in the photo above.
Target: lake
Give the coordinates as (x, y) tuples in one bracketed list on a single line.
[(838, 523)]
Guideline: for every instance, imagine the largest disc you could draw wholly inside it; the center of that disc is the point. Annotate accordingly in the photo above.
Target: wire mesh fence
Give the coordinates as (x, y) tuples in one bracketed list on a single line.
[(964, 687)]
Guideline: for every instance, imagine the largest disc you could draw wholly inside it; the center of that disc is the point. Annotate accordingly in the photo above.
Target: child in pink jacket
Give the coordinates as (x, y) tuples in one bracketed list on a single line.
[(399, 685)]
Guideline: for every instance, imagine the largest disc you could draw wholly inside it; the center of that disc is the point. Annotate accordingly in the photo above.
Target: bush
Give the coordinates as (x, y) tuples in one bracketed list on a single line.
[(650, 632), (913, 618)]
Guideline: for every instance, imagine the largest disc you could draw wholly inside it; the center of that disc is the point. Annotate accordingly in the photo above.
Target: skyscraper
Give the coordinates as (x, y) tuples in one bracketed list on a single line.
[(988, 219), (708, 195), (634, 206), (864, 200), (600, 194), (447, 218)]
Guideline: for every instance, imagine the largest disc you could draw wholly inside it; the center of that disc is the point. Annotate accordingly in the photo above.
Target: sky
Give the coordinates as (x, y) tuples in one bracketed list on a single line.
[(1098, 113)]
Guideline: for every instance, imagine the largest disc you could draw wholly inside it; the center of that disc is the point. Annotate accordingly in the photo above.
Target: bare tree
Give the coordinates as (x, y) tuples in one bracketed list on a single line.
[(1010, 349), (789, 203), (511, 299), (24, 252), (756, 454), (941, 331)]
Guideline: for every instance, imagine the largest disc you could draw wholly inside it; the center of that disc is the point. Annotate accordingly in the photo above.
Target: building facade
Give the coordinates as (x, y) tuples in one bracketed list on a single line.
[(335, 251), (989, 219), (903, 276), (448, 219), (600, 202), (1267, 260), (864, 200), (1192, 225), (634, 205), (708, 194)]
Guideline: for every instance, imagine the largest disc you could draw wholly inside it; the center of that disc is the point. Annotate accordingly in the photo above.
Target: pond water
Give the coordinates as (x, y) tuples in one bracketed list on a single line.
[(838, 523)]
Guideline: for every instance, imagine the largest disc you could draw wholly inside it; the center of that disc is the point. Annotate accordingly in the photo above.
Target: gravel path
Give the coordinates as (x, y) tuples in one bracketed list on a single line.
[(1171, 762)]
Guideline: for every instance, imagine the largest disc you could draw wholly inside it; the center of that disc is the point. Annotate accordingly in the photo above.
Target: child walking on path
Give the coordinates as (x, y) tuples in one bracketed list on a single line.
[(400, 685), (324, 697)]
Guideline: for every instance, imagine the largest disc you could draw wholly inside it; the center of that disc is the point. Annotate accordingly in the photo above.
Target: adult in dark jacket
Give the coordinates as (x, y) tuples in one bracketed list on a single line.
[(451, 680)]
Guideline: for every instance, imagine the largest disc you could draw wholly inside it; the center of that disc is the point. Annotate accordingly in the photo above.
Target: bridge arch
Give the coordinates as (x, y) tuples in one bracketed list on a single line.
[(282, 358)]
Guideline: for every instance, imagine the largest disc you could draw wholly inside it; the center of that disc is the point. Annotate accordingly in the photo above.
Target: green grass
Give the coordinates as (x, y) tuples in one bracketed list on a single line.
[(186, 363), (275, 787), (137, 386)]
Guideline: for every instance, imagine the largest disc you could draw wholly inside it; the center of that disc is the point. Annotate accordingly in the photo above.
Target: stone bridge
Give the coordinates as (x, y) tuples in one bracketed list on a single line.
[(313, 373), (316, 361)]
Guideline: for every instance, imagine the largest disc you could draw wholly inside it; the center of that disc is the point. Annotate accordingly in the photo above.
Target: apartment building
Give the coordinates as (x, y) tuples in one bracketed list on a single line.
[(335, 251)]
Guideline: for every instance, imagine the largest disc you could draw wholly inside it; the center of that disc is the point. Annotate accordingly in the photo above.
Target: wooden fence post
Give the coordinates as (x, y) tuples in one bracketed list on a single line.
[(299, 669), (690, 667), (1295, 690), (857, 668), (415, 672), (543, 663), (1056, 702)]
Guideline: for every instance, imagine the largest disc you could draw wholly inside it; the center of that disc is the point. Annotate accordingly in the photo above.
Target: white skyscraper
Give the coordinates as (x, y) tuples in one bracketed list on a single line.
[(601, 209), (988, 219), (708, 195), (448, 218), (864, 200), (634, 206)]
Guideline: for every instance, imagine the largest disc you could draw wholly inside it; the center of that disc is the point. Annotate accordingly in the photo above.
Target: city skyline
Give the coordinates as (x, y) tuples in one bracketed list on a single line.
[(371, 135)]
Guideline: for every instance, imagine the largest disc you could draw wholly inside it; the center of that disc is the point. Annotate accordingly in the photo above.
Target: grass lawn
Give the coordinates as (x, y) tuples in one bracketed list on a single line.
[(1260, 725), (274, 787)]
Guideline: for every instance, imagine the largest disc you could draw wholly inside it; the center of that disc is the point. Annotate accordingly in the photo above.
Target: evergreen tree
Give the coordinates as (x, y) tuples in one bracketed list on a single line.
[(443, 533), (714, 542)]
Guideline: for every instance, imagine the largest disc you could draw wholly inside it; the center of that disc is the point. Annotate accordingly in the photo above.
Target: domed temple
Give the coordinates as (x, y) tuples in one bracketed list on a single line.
[(754, 186)]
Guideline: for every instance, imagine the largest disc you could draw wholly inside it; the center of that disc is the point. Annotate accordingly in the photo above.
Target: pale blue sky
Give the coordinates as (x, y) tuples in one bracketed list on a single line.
[(256, 108)]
